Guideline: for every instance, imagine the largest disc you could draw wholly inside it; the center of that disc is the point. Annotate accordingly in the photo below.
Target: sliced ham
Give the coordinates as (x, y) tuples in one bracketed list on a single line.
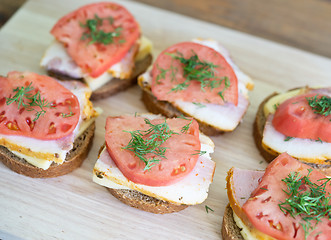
[(224, 117)]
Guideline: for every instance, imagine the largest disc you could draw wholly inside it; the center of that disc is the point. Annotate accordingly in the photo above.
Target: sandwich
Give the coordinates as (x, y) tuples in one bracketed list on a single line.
[(197, 79), (297, 122), (46, 126), (100, 44), (288, 201), (154, 164)]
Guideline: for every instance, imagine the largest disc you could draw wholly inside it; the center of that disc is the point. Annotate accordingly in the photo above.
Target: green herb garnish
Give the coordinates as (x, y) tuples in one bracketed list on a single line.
[(186, 127), (23, 97), (276, 106), (150, 141), (99, 36), (306, 199), (66, 115), (200, 153), (319, 140), (202, 71), (161, 75), (183, 117), (199, 105), (288, 139), (208, 209), (320, 105)]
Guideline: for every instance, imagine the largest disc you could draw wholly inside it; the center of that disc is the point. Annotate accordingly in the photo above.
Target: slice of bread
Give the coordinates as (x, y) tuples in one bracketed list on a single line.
[(169, 110), (74, 158), (115, 85), (269, 154), (146, 203), (230, 230)]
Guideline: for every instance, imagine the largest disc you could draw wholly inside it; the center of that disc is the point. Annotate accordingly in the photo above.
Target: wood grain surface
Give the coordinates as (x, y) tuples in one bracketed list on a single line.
[(304, 24), (72, 206)]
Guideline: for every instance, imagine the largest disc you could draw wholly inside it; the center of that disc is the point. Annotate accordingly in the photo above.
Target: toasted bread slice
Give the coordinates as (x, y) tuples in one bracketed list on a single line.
[(115, 85), (230, 230), (269, 154), (146, 203), (74, 158)]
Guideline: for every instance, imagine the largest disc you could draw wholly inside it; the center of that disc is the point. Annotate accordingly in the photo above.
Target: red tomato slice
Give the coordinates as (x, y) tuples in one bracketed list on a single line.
[(180, 157), (295, 118), (60, 118), (94, 59), (168, 72), (262, 207)]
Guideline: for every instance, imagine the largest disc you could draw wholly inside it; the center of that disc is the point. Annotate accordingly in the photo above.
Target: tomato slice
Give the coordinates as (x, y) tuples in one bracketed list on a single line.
[(96, 58), (295, 118), (168, 73), (181, 153), (262, 207), (61, 106)]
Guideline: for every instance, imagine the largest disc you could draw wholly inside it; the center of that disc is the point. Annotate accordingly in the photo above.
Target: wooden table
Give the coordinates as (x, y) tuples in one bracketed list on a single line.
[(73, 206), (304, 24)]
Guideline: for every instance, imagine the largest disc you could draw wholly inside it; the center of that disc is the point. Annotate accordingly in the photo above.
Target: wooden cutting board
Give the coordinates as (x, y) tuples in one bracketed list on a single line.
[(72, 206)]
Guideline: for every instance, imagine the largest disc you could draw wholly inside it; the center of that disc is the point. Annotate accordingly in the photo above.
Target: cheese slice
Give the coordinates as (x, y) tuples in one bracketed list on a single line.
[(271, 105), (193, 189), (37, 162), (145, 48)]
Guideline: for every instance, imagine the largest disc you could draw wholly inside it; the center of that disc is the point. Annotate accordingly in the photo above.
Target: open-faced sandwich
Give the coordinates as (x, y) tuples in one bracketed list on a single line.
[(297, 122), (46, 126), (197, 79), (287, 201), (101, 44), (155, 164)]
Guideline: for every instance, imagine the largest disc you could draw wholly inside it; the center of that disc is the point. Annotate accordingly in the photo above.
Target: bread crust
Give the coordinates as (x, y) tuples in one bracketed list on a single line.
[(258, 128), (167, 109), (74, 159), (230, 230), (115, 85), (146, 203)]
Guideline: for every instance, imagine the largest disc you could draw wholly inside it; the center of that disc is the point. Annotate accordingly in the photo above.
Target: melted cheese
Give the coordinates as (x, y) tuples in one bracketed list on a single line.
[(56, 59), (193, 189), (41, 153)]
